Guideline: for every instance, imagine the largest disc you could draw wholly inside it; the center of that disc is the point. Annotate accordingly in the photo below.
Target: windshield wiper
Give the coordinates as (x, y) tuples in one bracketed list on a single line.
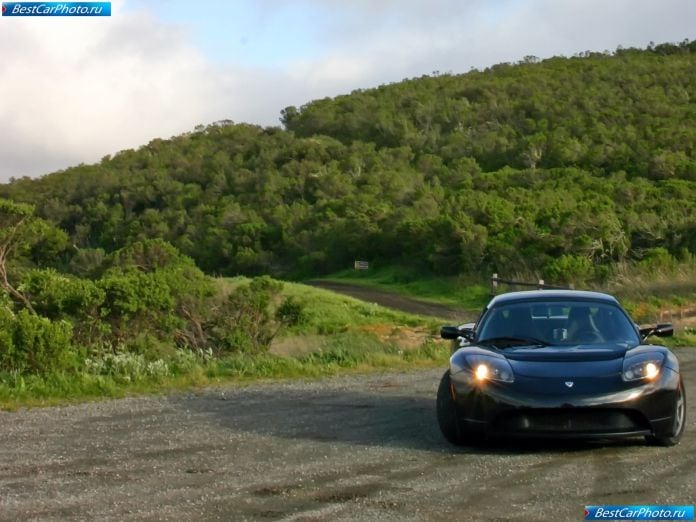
[(514, 341)]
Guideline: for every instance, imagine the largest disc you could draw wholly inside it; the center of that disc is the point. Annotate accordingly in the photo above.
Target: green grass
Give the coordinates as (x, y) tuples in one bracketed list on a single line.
[(339, 354), (455, 291), (326, 312)]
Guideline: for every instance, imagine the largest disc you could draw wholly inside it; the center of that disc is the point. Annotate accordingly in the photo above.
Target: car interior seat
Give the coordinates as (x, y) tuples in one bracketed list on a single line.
[(581, 326)]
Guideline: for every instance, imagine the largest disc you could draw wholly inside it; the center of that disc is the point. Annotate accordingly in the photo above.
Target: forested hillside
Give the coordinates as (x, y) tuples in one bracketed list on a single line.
[(631, 111), (564, 167)]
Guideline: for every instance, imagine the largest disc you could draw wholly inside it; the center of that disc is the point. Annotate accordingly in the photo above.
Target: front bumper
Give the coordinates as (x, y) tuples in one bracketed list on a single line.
[(541, 407)]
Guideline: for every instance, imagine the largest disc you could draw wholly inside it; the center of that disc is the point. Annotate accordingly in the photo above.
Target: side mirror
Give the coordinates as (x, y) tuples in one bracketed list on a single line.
[(449, 332), (664, 330), (455, 332), (660, 330)]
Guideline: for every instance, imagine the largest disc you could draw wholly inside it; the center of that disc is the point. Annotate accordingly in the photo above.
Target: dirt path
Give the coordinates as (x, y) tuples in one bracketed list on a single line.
[(361, 448), (397, 301)]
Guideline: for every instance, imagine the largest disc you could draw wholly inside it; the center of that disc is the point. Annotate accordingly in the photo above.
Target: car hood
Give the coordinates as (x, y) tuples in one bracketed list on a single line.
[(566, 361)]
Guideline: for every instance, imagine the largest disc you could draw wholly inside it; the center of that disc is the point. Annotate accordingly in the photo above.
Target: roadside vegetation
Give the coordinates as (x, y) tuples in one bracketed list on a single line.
[(239, 330), (129, 373)]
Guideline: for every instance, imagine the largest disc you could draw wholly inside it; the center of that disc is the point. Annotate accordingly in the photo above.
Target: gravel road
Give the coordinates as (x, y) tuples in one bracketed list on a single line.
[(349, 448)]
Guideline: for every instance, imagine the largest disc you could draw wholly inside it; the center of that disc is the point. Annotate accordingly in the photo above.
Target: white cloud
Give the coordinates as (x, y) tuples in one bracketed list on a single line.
[(74, 90)]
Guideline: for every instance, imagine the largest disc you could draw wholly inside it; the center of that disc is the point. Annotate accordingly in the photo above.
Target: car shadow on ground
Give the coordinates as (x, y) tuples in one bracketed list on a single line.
[(370, 418)]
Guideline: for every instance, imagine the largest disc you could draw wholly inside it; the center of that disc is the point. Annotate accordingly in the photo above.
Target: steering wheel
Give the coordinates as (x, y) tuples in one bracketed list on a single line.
[(587, 335)]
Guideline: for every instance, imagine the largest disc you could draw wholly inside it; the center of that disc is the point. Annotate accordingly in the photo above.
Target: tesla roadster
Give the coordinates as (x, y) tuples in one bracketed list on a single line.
[(560, 363)]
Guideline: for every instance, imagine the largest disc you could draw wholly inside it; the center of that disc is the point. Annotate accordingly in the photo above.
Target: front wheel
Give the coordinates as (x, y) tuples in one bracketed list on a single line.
[(679, 421), (447, 411), (447, 416)]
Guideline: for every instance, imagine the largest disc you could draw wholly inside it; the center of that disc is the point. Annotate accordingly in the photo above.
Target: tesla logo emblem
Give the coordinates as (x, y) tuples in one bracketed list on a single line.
[(569, 384)]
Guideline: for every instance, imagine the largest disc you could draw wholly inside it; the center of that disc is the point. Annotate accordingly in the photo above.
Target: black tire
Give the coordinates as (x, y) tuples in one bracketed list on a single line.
[(447, 412), (679, 421), (448, 418)]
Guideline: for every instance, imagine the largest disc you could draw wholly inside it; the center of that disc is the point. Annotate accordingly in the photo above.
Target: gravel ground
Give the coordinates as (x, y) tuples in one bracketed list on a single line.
[(349, 448)]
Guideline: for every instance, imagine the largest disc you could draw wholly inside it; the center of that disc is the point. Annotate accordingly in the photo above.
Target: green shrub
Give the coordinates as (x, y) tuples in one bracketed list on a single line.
[(61, 296), (153, 290), (657, 259), (57, 295), (33, 344), (245, 321), (569, 269), (132, 292), (137, 302), (148, 256), (291, 312)]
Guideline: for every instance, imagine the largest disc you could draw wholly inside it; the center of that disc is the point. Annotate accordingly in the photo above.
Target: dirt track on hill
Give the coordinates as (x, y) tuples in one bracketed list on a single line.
[(359, 448), (397, 301)]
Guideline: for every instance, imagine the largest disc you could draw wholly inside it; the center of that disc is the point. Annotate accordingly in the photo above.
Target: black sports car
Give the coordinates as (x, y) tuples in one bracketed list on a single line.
[(560, 363)]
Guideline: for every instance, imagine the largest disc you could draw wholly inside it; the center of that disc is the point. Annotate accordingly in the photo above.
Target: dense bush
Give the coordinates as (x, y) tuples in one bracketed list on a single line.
[(33, 344), (251, 316), (136, 301), (569, 269), (56, 295), (291, 312)]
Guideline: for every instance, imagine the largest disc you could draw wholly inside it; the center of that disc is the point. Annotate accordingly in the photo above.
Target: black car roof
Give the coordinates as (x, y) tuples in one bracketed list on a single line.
[(543, 295)]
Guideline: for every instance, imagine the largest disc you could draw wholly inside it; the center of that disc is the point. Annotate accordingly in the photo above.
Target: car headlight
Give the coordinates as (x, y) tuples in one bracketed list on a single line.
[(644, 366), (482, 368)]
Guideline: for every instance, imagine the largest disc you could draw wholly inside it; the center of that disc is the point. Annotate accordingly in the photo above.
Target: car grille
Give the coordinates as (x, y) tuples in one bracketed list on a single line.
[(573, 420)]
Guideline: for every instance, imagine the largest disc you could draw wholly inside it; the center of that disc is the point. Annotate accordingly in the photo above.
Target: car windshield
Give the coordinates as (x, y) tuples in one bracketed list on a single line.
[(556, 323)]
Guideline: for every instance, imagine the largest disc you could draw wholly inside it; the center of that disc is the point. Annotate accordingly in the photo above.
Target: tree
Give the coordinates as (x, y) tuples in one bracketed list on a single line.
[(16, 223)]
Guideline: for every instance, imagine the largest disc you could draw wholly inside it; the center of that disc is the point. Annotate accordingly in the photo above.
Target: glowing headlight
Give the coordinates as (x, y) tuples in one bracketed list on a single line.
[(483, 368), (480, 368), (651, 370), (645, 366), (481, 372)]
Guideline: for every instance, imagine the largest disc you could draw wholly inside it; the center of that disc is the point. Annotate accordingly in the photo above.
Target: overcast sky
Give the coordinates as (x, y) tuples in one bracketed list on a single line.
[(75, 89)]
